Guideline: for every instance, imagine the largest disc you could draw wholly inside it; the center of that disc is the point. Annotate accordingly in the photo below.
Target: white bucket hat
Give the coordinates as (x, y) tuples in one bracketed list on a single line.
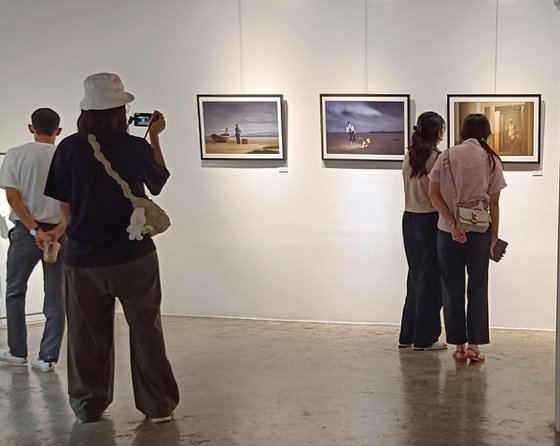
[(104, 91)]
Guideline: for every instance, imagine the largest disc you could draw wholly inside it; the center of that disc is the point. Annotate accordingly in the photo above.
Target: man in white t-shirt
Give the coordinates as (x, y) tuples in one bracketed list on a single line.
[(38, 221), (351, 132)]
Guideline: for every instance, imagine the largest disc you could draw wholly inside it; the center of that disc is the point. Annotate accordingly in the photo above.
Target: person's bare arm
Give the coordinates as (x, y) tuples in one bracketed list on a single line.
[(15, 201), (434, 192), (66, 213), (157, 125), (57, 231)]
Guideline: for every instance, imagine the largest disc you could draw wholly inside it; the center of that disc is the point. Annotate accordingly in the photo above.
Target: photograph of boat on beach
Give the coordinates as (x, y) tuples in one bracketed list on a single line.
[(364, 127), (514, 121), (241, 126)]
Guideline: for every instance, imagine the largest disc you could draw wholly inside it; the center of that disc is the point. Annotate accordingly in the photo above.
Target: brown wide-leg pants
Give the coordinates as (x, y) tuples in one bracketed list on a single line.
[(90, 309)]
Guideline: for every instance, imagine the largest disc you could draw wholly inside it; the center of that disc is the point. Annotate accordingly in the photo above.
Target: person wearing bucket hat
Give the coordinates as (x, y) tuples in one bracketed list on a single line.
[(104, 91), (101, 262)]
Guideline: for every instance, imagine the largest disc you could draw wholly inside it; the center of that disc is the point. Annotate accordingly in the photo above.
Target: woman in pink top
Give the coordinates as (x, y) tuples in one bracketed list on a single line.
[(421, 323), (478, 174)]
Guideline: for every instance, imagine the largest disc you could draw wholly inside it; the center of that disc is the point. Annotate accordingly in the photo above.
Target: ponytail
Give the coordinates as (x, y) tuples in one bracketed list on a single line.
[(424, 141), (492, 155)]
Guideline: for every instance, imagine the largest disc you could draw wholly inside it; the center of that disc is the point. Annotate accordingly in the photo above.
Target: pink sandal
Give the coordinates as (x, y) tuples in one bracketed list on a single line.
[(474, 356), (459, 356)]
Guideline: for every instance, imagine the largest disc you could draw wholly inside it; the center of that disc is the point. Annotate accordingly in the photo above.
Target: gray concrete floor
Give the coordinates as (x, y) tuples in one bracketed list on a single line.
[(275, 383)]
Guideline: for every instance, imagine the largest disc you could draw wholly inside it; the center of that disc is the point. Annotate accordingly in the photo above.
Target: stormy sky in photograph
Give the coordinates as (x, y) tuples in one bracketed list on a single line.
[(254, 118), (366, 116)]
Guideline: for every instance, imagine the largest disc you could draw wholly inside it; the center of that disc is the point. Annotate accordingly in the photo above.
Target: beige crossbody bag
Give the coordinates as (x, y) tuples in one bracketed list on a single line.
[(147, 218)]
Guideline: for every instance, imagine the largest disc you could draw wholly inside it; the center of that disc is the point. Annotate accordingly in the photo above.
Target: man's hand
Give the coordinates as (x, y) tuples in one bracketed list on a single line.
[(42, 238), (56, 232)]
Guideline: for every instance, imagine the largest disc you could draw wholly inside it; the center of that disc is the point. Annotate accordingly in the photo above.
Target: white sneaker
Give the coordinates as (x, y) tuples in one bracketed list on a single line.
[(435, 346), (162, 419), (43, 366), (8, 358)]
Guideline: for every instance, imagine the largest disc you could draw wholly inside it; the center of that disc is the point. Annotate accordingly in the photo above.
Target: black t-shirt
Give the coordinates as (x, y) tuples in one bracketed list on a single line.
[(96, 235)]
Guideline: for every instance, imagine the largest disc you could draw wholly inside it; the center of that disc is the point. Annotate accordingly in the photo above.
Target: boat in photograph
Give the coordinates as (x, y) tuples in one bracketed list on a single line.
[(222, 137)]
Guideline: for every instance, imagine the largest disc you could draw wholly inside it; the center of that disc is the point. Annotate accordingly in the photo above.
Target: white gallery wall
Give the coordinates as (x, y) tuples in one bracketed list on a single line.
[(318, 242)]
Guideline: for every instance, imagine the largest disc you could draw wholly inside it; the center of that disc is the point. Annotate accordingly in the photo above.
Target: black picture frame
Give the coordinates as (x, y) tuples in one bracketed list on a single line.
[(380, 121), (515, 120), (241, 127)]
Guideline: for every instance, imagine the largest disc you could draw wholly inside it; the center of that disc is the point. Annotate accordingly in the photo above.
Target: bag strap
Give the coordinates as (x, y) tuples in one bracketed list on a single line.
[(109, 169), (447, 164)]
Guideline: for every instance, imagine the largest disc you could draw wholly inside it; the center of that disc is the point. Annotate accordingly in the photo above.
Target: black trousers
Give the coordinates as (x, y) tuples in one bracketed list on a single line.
[(474, 255), (421, 323)]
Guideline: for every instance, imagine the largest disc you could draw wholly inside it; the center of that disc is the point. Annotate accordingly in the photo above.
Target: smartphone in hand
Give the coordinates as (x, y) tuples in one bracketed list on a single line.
[(499, 250)]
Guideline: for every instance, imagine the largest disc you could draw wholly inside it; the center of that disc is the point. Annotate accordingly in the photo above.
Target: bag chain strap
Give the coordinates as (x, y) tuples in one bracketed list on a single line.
[(447, 163), (109, 169)]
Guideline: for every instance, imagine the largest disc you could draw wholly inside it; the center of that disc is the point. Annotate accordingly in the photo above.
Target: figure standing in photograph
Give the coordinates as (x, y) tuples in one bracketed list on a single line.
[(102, 261), (237, 134), (351, 132), (477, 173), (421, 323), (512, 133), (38, 221)]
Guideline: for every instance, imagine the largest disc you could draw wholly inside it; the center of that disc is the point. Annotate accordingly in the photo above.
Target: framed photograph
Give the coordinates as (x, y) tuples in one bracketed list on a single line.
[(241, 127), (514, 119), (364, 127)]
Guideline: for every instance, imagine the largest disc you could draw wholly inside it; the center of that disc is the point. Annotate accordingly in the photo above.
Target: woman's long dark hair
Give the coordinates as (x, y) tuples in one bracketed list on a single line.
[(112, 120), (476, 126), (424, 141)]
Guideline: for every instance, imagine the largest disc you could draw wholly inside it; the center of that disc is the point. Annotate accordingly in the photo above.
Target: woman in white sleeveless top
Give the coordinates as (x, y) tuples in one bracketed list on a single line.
[(421, 323)]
